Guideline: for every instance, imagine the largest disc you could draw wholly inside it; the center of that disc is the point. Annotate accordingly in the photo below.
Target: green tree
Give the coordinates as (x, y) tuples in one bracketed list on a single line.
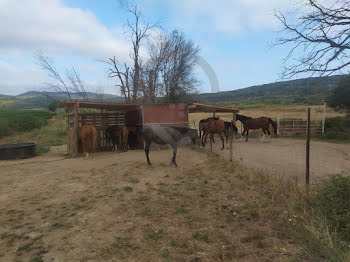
[(340, 97), (53, 106)]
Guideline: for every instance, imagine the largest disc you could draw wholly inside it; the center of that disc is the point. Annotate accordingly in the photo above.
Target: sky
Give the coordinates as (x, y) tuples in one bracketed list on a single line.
[(234, 37)]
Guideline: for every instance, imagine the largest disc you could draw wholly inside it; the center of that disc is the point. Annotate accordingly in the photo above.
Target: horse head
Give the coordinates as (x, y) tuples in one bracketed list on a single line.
[(193, 135)]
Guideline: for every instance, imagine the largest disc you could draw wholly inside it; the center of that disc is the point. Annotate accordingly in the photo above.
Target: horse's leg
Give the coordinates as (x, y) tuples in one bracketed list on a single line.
[(173, 160), (269, 133), (242, 134), (263, 136), (93, 146), (211, 142), (83, 143), (204, 139), (147, 145), (246, 139), (223, 141)]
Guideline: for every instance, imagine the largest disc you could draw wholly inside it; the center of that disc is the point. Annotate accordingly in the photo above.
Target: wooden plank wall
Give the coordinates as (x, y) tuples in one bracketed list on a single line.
[(101, 121)]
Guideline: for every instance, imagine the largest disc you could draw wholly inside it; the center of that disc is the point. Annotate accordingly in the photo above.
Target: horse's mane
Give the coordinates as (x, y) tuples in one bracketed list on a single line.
[(242, 117)]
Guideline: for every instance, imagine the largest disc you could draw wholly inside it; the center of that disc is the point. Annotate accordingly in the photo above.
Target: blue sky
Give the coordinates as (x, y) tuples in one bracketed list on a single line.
[(233, 37)]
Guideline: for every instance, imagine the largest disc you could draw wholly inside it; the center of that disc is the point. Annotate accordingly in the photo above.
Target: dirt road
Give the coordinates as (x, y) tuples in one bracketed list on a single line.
[(287, 156)]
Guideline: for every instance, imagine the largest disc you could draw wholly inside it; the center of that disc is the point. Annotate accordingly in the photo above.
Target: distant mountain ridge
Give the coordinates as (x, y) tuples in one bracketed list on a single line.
[(35, 99), (300, 91)]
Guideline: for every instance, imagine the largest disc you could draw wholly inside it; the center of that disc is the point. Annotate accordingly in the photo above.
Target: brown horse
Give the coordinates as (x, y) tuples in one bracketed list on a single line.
[(257, 123), (124, 138), (214, 126), (88, 135)]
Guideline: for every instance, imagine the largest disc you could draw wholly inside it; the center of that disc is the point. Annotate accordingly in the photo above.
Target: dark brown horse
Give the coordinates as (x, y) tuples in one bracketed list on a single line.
[(88, 135), (214, 127), (166, 135), (257, 123), (113, 134)]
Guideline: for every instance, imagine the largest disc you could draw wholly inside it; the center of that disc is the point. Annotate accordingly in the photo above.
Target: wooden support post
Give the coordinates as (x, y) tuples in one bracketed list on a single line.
[(75, 148), (278, 125), (214, 114), (323, 117), (232, 136), (307, 175)]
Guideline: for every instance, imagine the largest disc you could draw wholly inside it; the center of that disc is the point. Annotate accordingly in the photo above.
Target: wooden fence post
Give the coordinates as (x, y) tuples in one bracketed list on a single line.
[(76, 130), (232, 136), (278, 125), (323, 117), (307, 175)]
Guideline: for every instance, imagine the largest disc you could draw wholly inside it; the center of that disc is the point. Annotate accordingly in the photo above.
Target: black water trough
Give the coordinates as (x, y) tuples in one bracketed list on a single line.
[(16, 151)]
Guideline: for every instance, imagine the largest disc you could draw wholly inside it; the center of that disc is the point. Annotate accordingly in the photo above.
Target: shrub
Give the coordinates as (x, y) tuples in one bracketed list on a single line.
[(337, 127), (332, 202)]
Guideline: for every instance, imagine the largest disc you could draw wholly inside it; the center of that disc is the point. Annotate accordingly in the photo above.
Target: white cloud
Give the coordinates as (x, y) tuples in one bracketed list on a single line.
[(53, 27), (226, 16)]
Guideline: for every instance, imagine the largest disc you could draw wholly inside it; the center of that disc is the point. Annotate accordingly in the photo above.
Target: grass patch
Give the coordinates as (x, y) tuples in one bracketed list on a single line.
[(201, 235), (128, 189)]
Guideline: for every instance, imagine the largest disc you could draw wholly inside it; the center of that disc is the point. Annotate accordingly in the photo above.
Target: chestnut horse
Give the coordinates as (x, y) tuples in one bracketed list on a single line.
[(256, 123), (88, 135), (214, 126), (124, 138)]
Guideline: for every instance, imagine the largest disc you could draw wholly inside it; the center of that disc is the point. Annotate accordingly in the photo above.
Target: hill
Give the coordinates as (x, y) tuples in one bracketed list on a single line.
[(34, 99), (300, 91)]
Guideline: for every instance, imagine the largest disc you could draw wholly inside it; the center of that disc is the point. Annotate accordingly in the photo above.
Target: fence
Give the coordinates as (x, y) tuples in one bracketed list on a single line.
[(298, 127)]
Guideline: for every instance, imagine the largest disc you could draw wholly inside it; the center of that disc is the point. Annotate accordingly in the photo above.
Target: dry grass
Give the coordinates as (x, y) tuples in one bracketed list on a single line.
[(117, 208)]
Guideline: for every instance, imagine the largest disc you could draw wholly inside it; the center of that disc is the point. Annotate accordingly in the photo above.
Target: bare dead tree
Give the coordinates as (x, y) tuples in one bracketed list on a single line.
[(321, 34), (47, 65), (100, 94), (77, 85), (122, 72), (60, 85), (139, 31)]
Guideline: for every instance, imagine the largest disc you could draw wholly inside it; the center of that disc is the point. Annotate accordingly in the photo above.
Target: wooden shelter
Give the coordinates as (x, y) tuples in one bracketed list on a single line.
[(109, 114)]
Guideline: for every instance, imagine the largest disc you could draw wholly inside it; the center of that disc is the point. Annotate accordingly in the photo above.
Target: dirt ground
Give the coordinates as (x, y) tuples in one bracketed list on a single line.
[(287, 156), (118, 209)]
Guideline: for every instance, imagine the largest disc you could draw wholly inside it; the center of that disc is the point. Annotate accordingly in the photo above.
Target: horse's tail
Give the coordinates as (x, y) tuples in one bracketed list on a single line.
[(274, 125)]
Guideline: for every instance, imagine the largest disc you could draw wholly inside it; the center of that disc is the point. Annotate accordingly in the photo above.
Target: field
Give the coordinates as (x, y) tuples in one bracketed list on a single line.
[(118, 209)]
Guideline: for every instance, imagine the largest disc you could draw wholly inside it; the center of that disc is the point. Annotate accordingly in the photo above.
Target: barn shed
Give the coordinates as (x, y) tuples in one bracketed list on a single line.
[(106, 114)]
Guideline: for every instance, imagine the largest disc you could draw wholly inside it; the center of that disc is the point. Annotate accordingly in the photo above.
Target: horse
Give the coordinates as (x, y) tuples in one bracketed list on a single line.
[(124, 138), (166, 135), (88, 135), (230, 129), (202, 124), (214, 127), (133, 137), (113, 134), (257, 123)]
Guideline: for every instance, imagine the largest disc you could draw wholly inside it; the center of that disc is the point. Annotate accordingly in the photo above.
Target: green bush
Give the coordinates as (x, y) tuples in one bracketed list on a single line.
[(331, 201), (337, 127), (22, 120)]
